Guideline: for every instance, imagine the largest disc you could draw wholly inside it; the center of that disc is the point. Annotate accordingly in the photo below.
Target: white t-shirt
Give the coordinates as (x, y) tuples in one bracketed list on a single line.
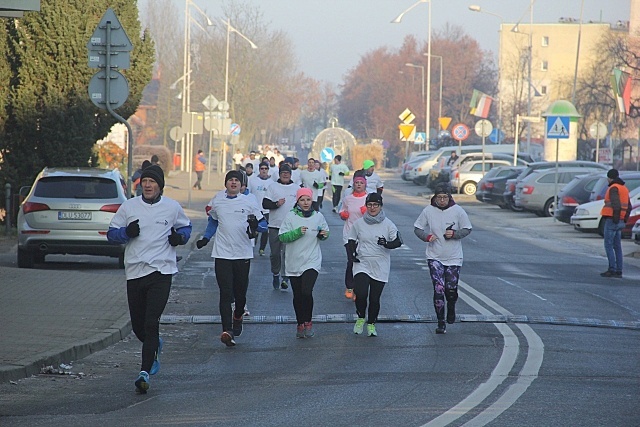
[(275, 192), (351, 204), (334, 171), (436, 221), (237, 158), (274, 172), (374, 182), (375, 260), (150, 251), (258, 187), (308, 178), (303, 254), (231, 240)]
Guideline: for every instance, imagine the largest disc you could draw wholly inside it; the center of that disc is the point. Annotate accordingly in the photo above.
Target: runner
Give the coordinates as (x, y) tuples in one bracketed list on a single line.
[(313, 180), (337, 172), (258, 185), (353, 208)]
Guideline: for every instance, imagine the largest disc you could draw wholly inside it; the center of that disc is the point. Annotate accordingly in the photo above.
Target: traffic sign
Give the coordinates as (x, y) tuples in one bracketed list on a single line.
[(119, 43), (598, 130), (176, 133), (444, 122), (558, 127), (118, 89), (483, 128), (460, 132), (407, 132), (234, 129), (327, 154), (210, 102), (421, 137), (496, 136), (407, 116)]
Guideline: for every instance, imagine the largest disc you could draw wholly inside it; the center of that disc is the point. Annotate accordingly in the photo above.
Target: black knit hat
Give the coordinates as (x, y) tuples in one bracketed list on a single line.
[(233, 174), (284, 168), (155, 173), (442, 188), (374, 198), (613, 174)]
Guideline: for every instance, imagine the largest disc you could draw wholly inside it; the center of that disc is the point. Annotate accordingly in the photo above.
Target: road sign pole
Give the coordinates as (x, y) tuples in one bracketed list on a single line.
[(555, 188)]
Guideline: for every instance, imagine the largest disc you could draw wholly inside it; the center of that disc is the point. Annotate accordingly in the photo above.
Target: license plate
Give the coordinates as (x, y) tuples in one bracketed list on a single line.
[(83, 216)]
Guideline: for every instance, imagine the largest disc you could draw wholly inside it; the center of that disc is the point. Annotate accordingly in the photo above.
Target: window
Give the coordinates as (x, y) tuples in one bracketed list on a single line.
[(544, 66), (545, 41), (543, 90)]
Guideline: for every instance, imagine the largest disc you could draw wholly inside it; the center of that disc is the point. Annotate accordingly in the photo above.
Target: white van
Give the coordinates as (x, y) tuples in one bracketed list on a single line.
[(420, 172)]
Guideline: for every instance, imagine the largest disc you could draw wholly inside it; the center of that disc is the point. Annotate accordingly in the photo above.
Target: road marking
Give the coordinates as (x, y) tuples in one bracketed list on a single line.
[(521, 288)]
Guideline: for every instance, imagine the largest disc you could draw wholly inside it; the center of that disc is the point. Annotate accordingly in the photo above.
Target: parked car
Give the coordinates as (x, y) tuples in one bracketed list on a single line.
[(465, 178), (536, 192), (68, 211), (411, 163), (635, 233), (492, 186), (587, 216), (575, 193), (509, 194), (631, 180)]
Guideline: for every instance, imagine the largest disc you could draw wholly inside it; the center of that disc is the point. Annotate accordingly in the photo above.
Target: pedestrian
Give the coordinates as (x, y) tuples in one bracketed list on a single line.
[(374, 183), (337, 172), (155, 160), (322, 167), (237, 159), (615, 212), (313, 180), (136, 177), (279, 198), (273, 169), (151, 226), (295, 171), (370, 241), (301, 231), (443, 224), (353, 208), (199, 165), (248, 169), (234, 219), (258, 185), (452, 158)]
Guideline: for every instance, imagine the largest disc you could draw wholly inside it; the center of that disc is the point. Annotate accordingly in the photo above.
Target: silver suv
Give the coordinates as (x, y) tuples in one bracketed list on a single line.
[(68, 211)]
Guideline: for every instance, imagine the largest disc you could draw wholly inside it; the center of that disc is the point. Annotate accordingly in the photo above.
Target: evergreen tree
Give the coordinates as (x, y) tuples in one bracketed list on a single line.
[(50, 120)]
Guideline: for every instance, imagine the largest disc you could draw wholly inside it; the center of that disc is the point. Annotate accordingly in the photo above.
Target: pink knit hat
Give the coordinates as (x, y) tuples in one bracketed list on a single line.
[(359, 178), (304, 192)]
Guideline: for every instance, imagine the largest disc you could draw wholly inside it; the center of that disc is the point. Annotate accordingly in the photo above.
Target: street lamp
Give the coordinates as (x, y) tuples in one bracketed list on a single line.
[(230, 28), (476, 8), (428, 100), (516, 29)]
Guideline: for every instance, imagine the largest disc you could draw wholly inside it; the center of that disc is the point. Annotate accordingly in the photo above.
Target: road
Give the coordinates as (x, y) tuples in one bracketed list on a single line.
[(544, 366)]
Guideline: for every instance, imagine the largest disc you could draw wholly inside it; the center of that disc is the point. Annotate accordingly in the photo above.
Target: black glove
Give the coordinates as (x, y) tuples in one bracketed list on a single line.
[(449, 228), (352, 255), (382, 241), (315, 185), (175, 239), (252, 228), (133, 229), (202, 243), (341, 174)]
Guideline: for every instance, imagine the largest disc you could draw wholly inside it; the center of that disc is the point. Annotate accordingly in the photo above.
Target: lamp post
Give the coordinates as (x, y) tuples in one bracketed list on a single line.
[(476, 8), (409, 64), (428, 99), (230, 28), (516, 29), (441, 74)]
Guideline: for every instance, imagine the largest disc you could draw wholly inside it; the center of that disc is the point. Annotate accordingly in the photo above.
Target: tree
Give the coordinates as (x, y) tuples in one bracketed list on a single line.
[(50, 119)]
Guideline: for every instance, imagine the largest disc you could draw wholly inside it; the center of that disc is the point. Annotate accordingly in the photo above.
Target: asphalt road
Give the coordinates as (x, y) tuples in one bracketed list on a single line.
[(548, 368)]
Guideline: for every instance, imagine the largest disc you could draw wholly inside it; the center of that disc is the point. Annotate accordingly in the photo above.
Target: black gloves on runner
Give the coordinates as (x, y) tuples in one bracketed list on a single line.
[(341, 174), (175, 238), (133, 229), (315, 185), (382, 241), (252, 228), (352, 255), (202, 243)]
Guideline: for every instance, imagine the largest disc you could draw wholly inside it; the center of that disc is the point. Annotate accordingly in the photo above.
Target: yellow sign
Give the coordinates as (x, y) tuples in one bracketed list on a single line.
[(444, 122), (406, 131), (407, 116)]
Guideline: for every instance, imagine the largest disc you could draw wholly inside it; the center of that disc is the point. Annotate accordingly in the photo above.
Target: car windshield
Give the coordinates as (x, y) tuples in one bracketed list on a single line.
[(75, 187)]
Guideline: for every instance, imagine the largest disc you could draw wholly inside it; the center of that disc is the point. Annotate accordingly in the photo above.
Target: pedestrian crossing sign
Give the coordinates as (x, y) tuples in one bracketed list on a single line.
[(558, 127)]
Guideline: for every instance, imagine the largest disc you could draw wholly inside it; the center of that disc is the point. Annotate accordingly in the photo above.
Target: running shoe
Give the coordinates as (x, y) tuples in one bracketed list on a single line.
[(227, 339), (142, 383), (284, 284), (156, 361), (348, 294), (246, 311), (237, 326), (308, 330), (371, 330), (442, 327), (451, 313), (359, 326), (300, 331), (276, 282)]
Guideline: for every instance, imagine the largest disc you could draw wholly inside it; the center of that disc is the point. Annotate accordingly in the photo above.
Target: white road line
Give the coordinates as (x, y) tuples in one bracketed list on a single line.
[(515, 270), (521, 288)]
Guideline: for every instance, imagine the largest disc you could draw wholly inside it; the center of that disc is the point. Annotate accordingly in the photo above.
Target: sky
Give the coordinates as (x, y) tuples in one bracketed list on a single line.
[(330, 36)]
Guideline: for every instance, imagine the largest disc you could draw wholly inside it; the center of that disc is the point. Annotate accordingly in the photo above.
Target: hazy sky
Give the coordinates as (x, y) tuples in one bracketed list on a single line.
[(330, 36)]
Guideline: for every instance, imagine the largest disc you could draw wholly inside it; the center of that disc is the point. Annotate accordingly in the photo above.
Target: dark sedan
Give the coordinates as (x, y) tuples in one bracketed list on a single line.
[(492, 186), (575, 193)]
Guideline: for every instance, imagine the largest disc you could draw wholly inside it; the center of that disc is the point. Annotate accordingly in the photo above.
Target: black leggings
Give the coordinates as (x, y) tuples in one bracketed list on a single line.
[(337, 190), (147, 297), (232, 276), (264, 236), (302, 287), (348, 273), (365, 286)]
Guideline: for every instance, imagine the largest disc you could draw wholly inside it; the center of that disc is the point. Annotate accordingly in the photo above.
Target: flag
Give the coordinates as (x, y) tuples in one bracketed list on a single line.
[(480, 104), (621, 84)]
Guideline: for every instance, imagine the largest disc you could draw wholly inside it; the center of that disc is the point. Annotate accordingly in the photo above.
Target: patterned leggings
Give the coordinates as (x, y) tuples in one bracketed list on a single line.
[(445, 285)]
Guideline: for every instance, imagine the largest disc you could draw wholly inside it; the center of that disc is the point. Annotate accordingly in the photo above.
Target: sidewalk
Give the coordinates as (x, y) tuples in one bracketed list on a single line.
[(50, 317)]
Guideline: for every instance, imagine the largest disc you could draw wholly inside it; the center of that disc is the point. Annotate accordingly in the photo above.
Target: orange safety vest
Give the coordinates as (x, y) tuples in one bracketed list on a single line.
[(199, 165), (607, 209)]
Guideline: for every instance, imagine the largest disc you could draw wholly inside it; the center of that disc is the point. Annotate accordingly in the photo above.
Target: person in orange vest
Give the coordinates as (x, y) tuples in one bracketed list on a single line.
[(616, 211), (199, 165)]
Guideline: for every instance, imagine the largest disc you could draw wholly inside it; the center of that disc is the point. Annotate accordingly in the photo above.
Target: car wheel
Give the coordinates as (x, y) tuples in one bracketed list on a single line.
[(121, 260), (25, 259), (549, 207), (601, 227), (469, 188)]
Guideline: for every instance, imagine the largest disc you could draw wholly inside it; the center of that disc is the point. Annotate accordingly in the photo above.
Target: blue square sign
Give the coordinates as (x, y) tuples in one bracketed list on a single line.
[(558, 127)]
